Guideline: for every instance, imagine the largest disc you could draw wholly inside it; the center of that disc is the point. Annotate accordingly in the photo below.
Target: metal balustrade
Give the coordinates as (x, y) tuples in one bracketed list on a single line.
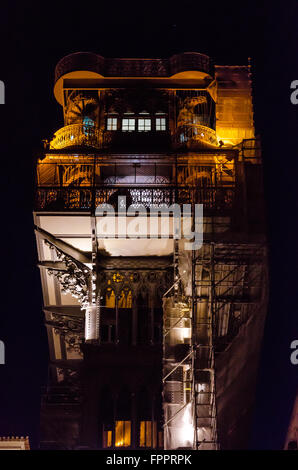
[(88, 198), (77, 135), (190, 134)]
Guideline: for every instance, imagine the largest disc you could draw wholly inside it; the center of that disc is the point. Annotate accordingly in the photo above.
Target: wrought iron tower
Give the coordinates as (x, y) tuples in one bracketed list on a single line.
[(152, 344)]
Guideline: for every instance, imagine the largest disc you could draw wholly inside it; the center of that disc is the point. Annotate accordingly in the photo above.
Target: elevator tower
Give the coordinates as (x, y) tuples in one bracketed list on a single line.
[(152, 344)]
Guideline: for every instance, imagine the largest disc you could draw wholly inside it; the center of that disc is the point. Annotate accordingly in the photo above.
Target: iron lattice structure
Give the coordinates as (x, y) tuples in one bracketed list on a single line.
[(134, 362), (201, 318)]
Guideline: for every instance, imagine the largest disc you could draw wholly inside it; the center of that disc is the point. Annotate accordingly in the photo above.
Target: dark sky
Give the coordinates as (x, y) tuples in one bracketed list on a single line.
[(33, 37)]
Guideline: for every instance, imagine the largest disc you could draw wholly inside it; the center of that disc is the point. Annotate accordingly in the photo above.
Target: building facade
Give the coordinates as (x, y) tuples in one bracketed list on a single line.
[(153, 342), (14, 443)]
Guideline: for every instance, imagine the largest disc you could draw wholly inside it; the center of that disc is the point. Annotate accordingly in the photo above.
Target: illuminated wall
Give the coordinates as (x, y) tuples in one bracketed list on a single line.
[(234, 108)]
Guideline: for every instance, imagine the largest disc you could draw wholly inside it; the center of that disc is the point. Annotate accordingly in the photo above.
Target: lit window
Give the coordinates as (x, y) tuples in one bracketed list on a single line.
[(122, 434), (107, 439), (125, 300), (146, 434), (128, 124), (117, 277), (144, 125), (110, 298), (160, 439), (160, 124), (112, 124)]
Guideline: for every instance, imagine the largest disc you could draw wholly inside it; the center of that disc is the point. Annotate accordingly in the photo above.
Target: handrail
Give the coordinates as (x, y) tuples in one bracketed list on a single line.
[(178, 365), (213, 198), (77, 135)]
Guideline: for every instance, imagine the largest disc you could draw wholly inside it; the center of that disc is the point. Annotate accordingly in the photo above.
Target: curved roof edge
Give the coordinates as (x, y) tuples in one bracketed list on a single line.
[(117, 67)]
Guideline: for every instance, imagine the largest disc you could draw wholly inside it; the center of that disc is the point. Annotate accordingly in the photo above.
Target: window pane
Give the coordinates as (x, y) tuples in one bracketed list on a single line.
[(128, 124), (112, 124), (125, 300), (142, 434), (146, 434), (122, 434), (110, 298), (107, 439), (160, 124), (160, 439), (144, 124)]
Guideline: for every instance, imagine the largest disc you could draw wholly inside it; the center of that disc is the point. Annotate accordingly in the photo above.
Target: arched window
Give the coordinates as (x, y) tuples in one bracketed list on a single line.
[(117, 311), (125, 298), (110, 298)]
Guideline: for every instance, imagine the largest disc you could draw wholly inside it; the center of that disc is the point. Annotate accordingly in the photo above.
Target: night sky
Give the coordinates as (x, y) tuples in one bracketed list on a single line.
[(33, 37)]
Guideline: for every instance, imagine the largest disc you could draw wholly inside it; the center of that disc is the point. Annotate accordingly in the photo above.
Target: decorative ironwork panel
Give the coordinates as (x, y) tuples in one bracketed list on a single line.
[(215, 199)]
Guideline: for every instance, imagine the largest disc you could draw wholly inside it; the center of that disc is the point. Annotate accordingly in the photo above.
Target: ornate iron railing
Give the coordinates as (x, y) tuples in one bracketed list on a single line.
[(190, 134), (84, 135), (80, 135), (133, 67), (77, 135), (88, 198)]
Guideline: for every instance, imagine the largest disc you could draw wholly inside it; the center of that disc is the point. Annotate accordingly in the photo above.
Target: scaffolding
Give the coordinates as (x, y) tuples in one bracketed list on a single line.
[(220, 287), (203, 325)]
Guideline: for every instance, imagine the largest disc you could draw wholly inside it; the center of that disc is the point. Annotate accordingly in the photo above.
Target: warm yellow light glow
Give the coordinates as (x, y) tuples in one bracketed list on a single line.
[(110, 298), (117, 277), (76, 135), (122, 433), (146, 434), (125, 300), (107, 439)]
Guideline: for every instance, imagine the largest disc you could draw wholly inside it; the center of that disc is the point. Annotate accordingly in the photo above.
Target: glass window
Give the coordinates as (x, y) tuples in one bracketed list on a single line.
[(107, 439), (125, 300), (128, 124), (160, 439), (112, 124), (146, 434), (144, 125), (122, 433), (110, 298), (160, 124)]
